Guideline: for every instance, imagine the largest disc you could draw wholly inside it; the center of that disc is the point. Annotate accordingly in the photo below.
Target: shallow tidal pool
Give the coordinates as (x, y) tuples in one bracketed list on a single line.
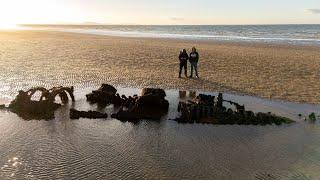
[(109, 149)]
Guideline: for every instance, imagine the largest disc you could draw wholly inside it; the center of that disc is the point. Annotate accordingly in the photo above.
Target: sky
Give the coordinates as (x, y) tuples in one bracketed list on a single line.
[(157, 12)]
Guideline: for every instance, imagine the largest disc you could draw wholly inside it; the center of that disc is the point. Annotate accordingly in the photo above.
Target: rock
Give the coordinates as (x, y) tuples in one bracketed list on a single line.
[(312, 117), (42, 109), (155, 92), (153, 98), (126, 116), (75, 114), (150, 105), (108, 89), (3, 106), (105, 95), (152, 101)]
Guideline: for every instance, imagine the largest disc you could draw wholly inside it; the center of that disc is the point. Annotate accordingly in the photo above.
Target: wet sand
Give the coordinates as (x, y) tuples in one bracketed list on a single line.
[(110, 149), (34, 58)]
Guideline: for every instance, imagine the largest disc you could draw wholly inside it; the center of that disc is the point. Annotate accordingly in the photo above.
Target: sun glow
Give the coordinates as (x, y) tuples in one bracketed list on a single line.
[(156, 12), (8, 26), (36, 12)]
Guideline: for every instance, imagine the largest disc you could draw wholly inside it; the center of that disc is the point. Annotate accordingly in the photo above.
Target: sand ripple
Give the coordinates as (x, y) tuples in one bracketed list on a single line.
[(50, 58)]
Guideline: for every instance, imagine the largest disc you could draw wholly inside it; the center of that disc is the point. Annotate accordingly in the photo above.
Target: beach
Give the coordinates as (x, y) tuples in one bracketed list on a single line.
[(97, 90), (47, 58), (107, 148)]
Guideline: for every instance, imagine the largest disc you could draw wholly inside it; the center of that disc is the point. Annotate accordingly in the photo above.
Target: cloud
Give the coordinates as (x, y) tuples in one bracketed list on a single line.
[(177, 19), (313, 11)]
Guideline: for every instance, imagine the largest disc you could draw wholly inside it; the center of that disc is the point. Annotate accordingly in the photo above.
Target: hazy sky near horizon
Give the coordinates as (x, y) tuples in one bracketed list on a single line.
[(160, 11)]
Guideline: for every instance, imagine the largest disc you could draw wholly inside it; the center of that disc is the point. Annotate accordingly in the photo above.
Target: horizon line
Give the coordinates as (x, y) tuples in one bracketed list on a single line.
[(106, 24)]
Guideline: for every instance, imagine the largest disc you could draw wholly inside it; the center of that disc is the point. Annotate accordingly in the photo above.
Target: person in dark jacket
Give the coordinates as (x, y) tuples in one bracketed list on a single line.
[(183, 57), (194, 59)]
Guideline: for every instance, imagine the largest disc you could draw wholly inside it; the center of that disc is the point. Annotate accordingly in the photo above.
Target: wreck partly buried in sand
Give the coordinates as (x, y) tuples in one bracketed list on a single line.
[(44, 108), (204, 109), (150, 105)]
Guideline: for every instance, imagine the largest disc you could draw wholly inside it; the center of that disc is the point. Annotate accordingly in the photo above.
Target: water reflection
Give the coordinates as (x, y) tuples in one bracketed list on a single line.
[(293, 111), (192, 94), (110, 149), (182, 94), (189, 94)]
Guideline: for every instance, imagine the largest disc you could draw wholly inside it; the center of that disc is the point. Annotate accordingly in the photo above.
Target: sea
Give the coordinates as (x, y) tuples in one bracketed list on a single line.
[(284, 34)]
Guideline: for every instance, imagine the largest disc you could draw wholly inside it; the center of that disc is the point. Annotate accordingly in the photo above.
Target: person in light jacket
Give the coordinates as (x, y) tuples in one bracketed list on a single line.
[(194, 59)]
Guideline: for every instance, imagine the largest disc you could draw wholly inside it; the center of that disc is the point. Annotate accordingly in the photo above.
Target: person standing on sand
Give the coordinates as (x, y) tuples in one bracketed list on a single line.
[(194, 59), (183, 57)]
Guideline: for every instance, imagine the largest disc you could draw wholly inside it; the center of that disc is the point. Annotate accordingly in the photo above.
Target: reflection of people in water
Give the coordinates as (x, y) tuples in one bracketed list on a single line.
[(220, 101), (192, 94), (182, 94)]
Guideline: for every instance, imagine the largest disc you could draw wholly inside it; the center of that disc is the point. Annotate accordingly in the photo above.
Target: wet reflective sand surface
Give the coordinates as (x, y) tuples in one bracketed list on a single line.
[(109, 149), (38, 58)]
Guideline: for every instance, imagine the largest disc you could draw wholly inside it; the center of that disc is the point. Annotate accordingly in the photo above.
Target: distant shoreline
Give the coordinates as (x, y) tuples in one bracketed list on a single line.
[(268, 34), (202, 41), (101, 24)]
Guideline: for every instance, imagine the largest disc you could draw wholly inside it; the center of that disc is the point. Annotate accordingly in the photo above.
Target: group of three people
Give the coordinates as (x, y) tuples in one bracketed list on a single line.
[(193, 59)]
